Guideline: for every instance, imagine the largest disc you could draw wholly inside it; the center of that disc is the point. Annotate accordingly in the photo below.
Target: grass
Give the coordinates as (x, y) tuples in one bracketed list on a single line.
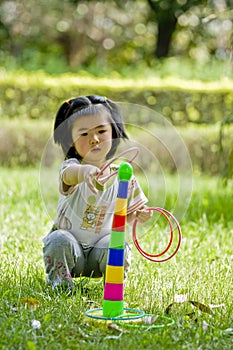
[(200, 272)]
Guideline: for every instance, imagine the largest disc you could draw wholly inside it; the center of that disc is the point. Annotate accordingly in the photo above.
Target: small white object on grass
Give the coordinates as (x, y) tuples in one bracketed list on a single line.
[(36, 324)]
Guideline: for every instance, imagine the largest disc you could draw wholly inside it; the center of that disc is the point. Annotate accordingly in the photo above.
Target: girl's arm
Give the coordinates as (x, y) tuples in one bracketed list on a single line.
[(78, 173)]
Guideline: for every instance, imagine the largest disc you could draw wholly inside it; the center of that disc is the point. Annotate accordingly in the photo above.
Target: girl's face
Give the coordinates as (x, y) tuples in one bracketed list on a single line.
[(92, 138)]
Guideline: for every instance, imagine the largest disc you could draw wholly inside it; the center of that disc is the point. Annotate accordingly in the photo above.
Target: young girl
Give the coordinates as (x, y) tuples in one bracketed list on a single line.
[(89, 130)]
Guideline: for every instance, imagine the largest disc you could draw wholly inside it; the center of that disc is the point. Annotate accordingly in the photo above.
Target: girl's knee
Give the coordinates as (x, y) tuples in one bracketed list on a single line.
[(60, 241), (58, 237), (102, 260), (62, 251)]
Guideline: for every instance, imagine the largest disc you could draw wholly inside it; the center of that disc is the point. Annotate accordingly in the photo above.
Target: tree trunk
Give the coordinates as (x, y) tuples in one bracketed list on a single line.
[(166, 27)]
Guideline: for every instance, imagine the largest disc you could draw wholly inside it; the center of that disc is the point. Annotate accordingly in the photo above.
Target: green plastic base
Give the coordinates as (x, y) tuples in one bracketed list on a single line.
[(113, 308)]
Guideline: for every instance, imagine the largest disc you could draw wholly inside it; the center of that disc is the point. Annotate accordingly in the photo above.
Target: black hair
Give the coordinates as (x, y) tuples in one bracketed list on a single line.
[(86, 105)]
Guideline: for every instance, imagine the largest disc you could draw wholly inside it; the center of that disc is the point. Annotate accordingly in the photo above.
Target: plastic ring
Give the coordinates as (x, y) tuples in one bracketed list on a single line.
[(104, 178), (132, 314), (152, 257), (147, 326)]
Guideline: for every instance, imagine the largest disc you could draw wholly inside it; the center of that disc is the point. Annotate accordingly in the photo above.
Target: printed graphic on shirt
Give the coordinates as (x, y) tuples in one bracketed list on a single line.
[(90, 218), (93, 217)]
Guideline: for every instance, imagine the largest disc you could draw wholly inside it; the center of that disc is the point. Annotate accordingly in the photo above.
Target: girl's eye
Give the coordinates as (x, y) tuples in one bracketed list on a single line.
[(102, 131), (84, 134)]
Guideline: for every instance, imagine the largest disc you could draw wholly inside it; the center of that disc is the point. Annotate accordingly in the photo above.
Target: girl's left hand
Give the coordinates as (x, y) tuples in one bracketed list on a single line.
[(143, 214)]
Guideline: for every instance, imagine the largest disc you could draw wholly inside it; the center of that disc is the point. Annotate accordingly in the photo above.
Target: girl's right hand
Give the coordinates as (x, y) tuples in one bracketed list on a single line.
[(88, 173)]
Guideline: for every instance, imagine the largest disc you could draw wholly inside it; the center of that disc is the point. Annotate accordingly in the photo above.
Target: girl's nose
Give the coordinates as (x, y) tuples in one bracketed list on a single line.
[(94, 140)]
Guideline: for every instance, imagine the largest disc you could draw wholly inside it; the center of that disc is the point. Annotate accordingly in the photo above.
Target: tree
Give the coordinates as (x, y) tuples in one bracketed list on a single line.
[(166, 13), (70, 34)]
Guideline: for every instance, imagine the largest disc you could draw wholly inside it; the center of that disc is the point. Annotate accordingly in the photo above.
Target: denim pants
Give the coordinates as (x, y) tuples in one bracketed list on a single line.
[(64, 258)]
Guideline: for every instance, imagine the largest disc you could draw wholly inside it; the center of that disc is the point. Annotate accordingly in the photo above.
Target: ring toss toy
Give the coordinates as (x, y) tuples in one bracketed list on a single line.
[(113, 300)]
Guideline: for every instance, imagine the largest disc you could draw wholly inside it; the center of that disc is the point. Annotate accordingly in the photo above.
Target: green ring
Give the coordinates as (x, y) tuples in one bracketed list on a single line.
[(163, 325), (135, 314)]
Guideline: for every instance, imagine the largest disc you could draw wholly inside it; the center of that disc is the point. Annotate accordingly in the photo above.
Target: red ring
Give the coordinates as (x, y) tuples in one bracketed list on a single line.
[(171, 234), (136, 149), (152, 257)]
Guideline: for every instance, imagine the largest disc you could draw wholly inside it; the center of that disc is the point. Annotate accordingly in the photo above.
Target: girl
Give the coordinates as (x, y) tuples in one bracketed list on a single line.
[(89, 130)]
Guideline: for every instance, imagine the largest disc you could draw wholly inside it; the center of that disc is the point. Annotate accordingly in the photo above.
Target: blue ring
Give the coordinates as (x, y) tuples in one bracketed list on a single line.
[(138, 314)]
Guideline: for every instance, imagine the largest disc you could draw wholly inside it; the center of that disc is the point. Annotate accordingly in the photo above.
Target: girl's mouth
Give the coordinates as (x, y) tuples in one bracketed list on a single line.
[(95, 149)]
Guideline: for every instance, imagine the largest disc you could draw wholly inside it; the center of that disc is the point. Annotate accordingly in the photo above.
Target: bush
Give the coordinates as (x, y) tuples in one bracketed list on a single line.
[(30, 101), (38, 96), (22, 144), (226, 147)]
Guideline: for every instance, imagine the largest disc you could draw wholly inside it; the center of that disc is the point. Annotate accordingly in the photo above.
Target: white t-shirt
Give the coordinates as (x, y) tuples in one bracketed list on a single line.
[(88, 216)]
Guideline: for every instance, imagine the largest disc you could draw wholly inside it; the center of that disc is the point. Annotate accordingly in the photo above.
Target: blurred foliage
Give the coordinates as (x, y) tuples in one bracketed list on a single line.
[(166, 14), (31, 100), (23, 144), (115, 39), (38, 96), (101, 36), (226, 147)]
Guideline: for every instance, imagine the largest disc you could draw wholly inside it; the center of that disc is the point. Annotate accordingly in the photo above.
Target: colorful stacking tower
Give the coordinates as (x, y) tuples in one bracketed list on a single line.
[(113, 302)]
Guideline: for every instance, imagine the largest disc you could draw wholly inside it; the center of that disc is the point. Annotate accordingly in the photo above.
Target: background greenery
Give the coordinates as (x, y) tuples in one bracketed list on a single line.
[(173, 57), (197, 109), (53, 50), (107, 36)]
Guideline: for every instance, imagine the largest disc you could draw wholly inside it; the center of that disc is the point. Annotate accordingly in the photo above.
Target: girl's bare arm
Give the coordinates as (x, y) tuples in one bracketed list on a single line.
[(78, 173)]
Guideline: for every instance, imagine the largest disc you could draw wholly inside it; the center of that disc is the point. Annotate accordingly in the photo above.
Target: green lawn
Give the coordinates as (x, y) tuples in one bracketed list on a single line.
[(201, 272)]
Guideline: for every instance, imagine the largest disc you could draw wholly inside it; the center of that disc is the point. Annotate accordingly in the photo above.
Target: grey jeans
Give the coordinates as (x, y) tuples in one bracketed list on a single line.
[(64, 258)]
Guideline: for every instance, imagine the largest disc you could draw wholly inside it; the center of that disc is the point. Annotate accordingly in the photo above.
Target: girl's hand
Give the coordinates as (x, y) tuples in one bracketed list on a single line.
[(88, 172), (143, 214), (78, 173)]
